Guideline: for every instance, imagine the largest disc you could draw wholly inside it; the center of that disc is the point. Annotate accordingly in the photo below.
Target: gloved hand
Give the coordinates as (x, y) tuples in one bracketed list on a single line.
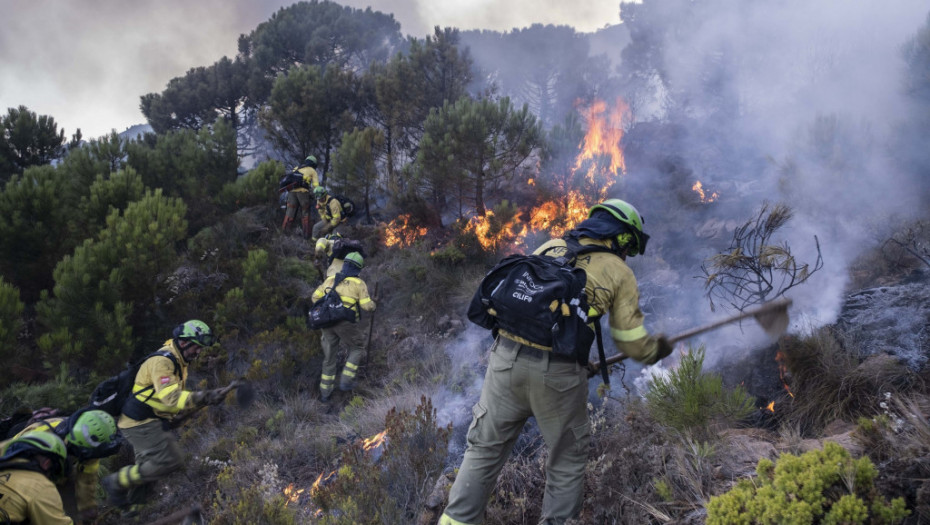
[(209, 397), (664, 347)]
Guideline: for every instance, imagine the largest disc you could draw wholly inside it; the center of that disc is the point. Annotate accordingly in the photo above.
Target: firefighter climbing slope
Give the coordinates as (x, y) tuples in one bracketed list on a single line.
[(159, 395), (330, 210), (304, 179), (527, 379), (353, 296)]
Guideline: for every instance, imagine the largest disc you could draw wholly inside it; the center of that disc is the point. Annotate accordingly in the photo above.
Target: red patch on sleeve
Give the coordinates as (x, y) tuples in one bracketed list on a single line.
[(165, 380)]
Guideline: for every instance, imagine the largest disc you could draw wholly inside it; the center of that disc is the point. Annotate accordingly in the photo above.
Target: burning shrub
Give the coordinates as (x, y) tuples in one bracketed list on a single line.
[(369, 488), (821, 486), (695, 403)]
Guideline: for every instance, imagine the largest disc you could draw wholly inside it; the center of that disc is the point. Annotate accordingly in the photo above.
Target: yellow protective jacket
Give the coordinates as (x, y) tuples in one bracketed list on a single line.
[(330, 210), (611, 289), (324, 246), (352, 290), (83, 473), (310, 177), (27, 496), (169, 395)]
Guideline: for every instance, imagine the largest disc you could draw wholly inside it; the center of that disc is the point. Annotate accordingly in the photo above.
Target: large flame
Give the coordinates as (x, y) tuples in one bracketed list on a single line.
[(399, 232), (605, 131), (699, 189)]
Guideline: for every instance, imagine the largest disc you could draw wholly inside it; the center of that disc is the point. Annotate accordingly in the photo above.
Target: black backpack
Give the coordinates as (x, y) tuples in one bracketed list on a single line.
[(111, 394), (540, 299), (348, 206), (330, 310), (292, 180)]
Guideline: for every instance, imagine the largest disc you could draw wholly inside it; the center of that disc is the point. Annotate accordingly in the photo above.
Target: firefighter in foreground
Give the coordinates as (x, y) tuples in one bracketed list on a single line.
[(330, 210), (354, 294), (89, 435), (299, 196), (29, 465), (524, 379), (159, 395)]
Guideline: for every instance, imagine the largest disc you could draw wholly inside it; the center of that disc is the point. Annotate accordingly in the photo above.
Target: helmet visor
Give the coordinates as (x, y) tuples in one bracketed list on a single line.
[(203, 339)]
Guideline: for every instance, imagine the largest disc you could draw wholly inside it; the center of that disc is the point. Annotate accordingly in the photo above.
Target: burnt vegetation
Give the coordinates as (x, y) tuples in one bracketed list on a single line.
[(455, 160)]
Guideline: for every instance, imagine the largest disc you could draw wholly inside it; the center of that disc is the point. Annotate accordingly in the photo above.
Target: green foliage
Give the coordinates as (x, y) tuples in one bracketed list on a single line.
[(257, 187), (308, 111), (106, 286), (695, 403), (63, 392), (470, 145), (27, 139), (392, 489), (11, 320), (106, 194), (355, 170), (193, 166), (35, 211), (241, 499), (820, 486)]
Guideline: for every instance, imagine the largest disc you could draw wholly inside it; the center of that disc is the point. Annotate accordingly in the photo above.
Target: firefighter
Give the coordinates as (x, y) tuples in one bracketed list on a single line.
[(330, 210), (354, 294), (29, 465), (334, 247), (525, 379), (299, 197), (89, 435), (159, 395)]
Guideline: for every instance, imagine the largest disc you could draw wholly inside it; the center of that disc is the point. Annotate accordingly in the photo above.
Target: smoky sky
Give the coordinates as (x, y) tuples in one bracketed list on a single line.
[(86, 63)]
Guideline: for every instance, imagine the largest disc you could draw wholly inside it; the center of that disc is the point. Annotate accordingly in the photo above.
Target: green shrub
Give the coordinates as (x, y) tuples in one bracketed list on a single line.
[(820, 486), (257, 187), (62, 393), (695, 403), (11, 320)]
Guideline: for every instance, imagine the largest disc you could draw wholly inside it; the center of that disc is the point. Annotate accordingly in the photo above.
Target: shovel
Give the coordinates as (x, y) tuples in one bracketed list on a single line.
[(771, 316)]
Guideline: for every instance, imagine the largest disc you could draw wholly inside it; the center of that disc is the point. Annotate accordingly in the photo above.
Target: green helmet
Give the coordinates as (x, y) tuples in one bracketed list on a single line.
[(627, 214), (41, 442), (355, 258), (311, 161), (196, 331), (92, 429), (319, 192)]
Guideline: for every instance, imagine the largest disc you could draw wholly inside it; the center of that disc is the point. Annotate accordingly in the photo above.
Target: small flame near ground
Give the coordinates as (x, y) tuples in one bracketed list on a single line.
[(698, 188), (370, 445)]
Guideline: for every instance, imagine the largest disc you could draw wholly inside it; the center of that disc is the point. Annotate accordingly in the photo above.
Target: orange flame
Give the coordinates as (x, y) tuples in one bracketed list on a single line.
[(699, 189), (604, 134), (771, 407), (400, 232), (292, 495), (375, 441), (780, 358)]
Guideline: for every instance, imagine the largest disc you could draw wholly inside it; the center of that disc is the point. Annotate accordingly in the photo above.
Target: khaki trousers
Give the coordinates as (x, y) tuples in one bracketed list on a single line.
[(520, 383), (352, 336)]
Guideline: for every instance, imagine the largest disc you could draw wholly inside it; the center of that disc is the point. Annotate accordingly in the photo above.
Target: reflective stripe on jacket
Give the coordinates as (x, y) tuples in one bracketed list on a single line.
[(331, 210), (167, 395), (352, 290)]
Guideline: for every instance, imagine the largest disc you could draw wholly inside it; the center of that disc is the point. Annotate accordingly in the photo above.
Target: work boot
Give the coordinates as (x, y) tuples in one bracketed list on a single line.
[(305, 223), (117, 495), (346, 385)]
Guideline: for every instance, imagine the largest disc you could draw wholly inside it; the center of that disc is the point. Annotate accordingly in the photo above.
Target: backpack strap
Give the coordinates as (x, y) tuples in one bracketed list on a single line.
[(162, 353), (605, 375)]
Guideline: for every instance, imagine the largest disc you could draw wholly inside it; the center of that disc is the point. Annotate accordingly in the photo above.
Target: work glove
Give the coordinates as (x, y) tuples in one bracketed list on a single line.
[(663, 347), (209, 397)]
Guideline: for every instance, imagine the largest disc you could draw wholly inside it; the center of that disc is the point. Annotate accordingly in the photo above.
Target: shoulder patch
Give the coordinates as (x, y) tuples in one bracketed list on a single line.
[(164, 380)]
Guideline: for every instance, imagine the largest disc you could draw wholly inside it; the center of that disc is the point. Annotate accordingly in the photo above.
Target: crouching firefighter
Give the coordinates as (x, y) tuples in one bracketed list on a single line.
[(330, 210), (88, 435), (528, 379), (158, 396), (354, 295), (30, 464)]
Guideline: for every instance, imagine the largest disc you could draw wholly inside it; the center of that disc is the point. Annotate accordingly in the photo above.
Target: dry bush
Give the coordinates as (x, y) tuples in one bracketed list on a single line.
[(831, 380)]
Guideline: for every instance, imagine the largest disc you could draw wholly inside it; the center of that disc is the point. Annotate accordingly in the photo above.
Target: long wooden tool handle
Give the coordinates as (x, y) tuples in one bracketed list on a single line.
[(778, 304), (772, 306)]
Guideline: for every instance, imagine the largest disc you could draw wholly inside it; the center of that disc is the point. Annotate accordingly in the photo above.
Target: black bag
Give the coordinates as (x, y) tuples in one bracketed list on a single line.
[(330, 310), (291, 181), (540, 299), (343, 247), (348, 206), (111, 394)]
